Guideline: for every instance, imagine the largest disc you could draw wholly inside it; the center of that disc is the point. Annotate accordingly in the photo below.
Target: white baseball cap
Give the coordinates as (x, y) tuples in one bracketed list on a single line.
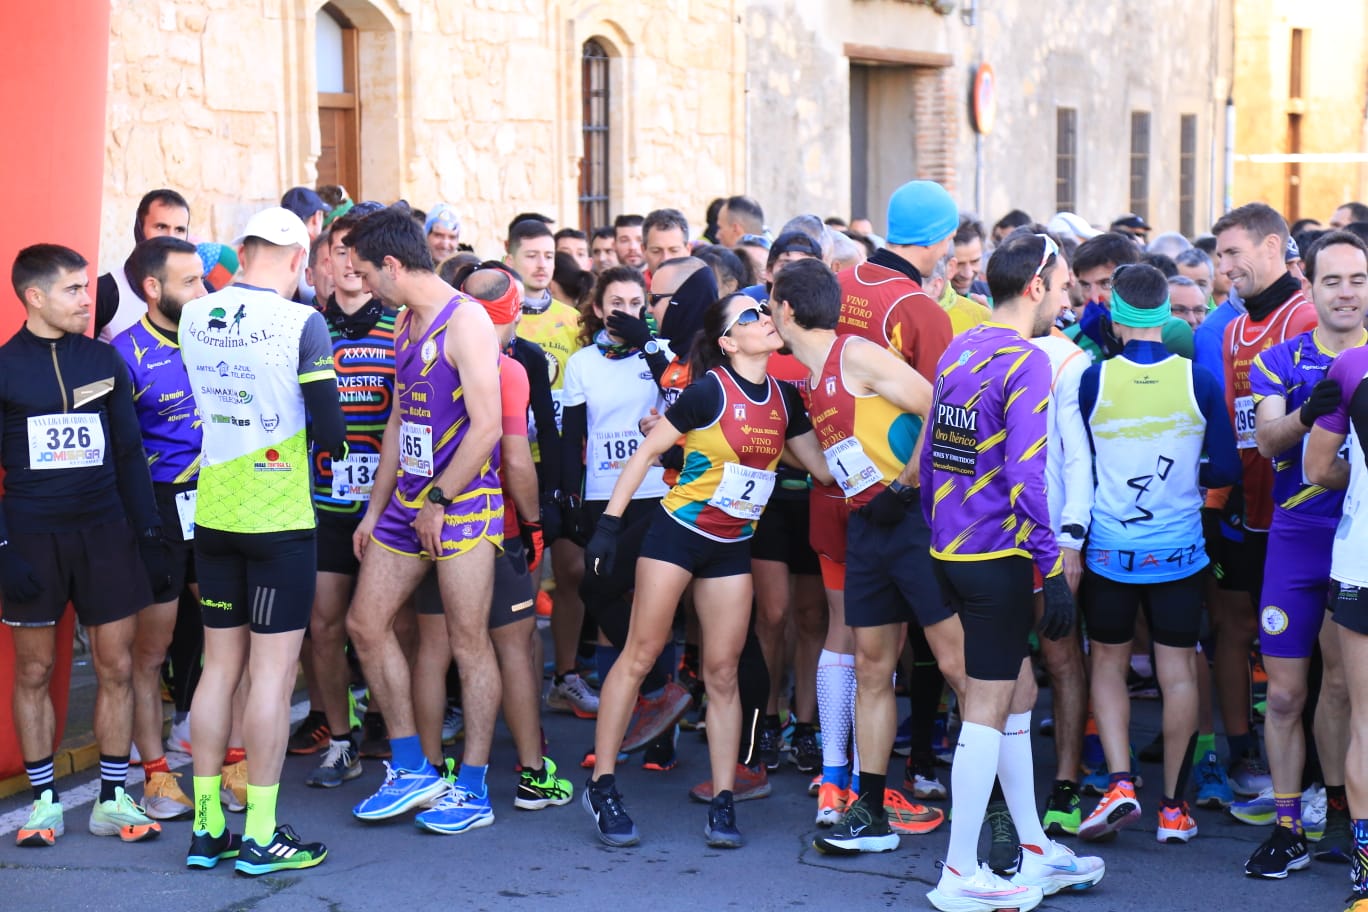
[(1072, 224), (278, 226)]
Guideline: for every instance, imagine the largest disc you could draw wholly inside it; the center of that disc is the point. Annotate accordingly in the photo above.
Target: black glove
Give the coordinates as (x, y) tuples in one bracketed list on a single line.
[(630, 329), (1325, 398), (157, 562), (1057, 621), (602, 548), (673, 458), (550, 518), (574, 524), (18, 582), (890, 505)]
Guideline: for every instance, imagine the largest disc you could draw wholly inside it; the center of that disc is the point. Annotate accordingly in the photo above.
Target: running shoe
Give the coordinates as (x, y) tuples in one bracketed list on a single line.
[(981, 890), (815, 784), (207, 851), (374, 737), (920, 779), (604, 804), (453, 724), (340, 764), (1176, 825), (1117, 809), (767, 747), (1094, 757), (178, 740), (721, 831), (1358, 901), (661, 755), (590, 759), (1063, 810), (121, 816), (902, 739), (44, 824), (857, 832), (1249, 775), (1098, 782), (285, 852), (1281, 852), (1213, 788), (832, 801), (163, 798), (311, 736), (1337, 841), (1313, 814), (942, 744), (1257, 811), (573, 695), (807, 751), (751, 782), (1005, 847), (1045, 727), (456, 811), (542, 788), (1055, 867), (652, 718), (233, 786), (402, 791), (908, 818)]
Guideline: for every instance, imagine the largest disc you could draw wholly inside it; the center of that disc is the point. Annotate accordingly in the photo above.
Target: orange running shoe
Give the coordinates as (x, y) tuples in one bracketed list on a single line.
[(44, 824), (1176, 825), (543, 604), (832, 801), (911, 819), (1117, 808)]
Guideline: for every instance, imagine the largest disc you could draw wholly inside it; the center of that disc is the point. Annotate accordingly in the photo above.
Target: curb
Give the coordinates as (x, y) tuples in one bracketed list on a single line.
[(66, 761)]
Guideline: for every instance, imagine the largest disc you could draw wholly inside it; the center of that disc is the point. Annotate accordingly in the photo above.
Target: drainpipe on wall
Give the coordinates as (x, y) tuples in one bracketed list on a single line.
[(1229, 195)]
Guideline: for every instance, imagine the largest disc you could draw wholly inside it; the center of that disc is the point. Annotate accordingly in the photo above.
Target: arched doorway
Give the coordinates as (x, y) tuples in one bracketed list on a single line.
[(339, 110)]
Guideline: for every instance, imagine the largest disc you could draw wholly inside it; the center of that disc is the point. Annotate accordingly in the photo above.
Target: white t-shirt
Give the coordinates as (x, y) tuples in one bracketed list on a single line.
[(1068, 463), (617, 393)]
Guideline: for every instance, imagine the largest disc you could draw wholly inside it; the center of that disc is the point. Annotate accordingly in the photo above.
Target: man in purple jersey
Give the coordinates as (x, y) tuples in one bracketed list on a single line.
[(1291, 390), (436, 498), (984, 462)]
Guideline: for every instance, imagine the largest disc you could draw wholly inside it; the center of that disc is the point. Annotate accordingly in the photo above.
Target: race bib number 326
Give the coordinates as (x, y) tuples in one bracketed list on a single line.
[(70, 441)]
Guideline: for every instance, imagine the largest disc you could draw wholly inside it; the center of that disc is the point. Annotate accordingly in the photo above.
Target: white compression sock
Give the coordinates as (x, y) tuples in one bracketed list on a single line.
[(833, 712), (1016, 772), (971, 781)]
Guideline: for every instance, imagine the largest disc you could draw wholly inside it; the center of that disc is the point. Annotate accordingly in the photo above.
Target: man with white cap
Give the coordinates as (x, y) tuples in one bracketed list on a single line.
[(261, 367), (443, 230)]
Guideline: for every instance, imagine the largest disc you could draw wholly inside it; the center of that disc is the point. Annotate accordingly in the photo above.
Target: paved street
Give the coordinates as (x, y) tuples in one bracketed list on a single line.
[(551, 860)]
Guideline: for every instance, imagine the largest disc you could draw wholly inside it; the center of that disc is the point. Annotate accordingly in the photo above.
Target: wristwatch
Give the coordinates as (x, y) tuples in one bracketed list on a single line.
[(1074, 531), (652, 346), (436, 496)]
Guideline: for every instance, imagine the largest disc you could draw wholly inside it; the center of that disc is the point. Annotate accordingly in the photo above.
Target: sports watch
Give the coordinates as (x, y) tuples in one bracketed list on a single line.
[(436, 496)]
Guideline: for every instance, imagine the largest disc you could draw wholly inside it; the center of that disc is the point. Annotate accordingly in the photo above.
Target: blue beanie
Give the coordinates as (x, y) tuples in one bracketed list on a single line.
[(921, 213)]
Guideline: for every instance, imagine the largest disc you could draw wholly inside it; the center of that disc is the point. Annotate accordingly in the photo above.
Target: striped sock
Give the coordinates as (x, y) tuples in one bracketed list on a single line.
[(40, 776), (1359, 872), (113, 775)]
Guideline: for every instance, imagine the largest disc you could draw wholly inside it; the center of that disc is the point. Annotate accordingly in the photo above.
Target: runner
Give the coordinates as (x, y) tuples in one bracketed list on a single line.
[(161, 213), (261, 368), (1290, 392), (984, 462), (437, 499), (361, 334), (1158, 432), (79, 524), (737, 422), (165, 271)]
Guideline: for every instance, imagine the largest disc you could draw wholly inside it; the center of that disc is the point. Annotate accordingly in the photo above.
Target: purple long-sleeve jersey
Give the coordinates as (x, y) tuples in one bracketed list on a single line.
[(984, 455)]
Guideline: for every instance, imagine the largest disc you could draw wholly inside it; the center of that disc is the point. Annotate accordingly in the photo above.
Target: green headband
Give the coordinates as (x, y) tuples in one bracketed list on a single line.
[(1139, 317)]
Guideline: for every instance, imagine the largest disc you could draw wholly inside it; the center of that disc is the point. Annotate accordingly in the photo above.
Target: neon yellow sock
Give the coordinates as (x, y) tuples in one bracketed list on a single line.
[(208, 806), (1205, 743), (261, 818)]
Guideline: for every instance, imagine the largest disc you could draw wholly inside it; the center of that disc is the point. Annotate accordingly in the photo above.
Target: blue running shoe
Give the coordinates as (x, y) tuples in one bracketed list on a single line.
[(1094, 758), (457, 811), (1098, 782), (402, 791), (1257, 811), (1213, 789)]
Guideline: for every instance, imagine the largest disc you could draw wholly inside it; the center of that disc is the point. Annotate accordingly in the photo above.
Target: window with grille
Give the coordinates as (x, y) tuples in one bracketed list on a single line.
[(1140, 163), (1187, 175), (1066, 159), (593, 197)]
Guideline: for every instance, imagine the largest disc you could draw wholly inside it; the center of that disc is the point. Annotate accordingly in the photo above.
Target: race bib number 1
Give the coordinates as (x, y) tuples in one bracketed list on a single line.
[(70, 441), (851, 466), (415, 453), (353, 478), (1244, 423), (743, 491)]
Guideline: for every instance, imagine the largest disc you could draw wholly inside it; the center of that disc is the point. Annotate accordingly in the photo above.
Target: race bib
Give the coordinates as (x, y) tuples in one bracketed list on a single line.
[(1244, 423), (610, 450), (185, 511), (71, 441), (557, 406), (852, 468), (743, 491), (353, 478), (415, 451)]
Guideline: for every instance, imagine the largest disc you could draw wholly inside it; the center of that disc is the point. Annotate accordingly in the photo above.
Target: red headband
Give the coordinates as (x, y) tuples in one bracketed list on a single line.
[(504, 309)]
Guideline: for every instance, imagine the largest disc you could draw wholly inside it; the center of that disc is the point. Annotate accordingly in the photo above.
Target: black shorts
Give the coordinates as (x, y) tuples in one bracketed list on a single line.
[(1173, 609), (263, 579), (180, 551), (335, 551), (515, 592), (782, 534), (98, 569), (671, 541), (888, 573), (996, 606), (1241, 567), (1350, 606)]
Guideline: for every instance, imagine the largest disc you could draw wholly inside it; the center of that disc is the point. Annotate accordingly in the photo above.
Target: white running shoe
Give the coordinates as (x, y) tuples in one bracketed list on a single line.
[(573, 695), (1057, 868), (981, 891)]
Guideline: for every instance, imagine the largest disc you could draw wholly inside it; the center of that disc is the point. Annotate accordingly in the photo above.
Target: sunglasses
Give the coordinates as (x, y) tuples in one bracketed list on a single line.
[(1051, 249), (755, 240), (656, 297), (748, 316)]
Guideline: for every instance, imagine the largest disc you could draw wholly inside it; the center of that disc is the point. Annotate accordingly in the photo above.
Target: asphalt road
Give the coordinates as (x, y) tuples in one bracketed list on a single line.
[(551, 859)]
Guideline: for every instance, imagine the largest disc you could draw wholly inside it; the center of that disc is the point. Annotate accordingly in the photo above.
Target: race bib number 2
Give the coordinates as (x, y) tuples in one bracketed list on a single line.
[(415, 453), (1244, 423), (743, 491), (70, 441)]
